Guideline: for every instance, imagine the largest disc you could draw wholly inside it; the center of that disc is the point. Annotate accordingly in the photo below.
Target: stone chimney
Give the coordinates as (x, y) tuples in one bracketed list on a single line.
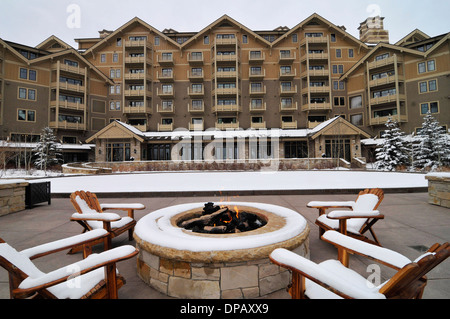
[(372, 31)]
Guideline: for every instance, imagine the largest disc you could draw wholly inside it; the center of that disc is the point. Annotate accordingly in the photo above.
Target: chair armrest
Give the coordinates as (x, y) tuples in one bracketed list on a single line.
[(383, 255), (30, 285), (330, 204), (59, 245), (105, 217), (345, 214), (337, 284), (130, 208)]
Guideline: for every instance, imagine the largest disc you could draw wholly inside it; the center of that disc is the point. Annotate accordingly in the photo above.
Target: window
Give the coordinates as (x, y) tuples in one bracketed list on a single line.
[(206, 39), (115, 57), (313, 34), (103, 58), (333, 37), (114, 105), (382, 57), (423, 87), (71, 63), (24, 74), (27, 94), (118, 152), (428, 66), (432, 85), (338, 69), (356, 119), (159, 152), (294, 38), (432, 107), (26, 115), (338, 53), (339, 85), (428, 86), (356, 102), (285, 70), (296, 149), (351, 53), (338, 149), (339, 101), (244, 38), (119, 42), (384, 113)]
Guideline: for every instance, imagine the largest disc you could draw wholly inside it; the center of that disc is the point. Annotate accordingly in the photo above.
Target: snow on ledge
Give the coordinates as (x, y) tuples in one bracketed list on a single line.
[(156, 228)]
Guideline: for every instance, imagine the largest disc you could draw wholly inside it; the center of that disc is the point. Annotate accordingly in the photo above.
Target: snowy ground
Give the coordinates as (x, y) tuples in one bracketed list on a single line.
[(235, 181)]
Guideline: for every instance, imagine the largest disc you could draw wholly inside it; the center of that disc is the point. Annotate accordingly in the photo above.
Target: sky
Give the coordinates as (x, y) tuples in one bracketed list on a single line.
[(30, 22)]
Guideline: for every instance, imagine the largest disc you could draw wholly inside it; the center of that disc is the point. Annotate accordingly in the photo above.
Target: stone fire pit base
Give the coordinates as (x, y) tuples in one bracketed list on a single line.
[(168, 264)]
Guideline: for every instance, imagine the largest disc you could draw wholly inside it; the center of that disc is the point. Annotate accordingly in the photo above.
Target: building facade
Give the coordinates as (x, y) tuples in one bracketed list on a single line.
[(128, 91)]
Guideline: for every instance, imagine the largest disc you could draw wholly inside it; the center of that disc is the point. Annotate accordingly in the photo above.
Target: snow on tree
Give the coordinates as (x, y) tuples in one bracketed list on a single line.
[(431, 149), (393, 151), (47, 150)]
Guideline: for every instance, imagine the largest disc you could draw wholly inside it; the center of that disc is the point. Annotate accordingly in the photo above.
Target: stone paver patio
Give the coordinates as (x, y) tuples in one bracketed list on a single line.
[(411, 224)]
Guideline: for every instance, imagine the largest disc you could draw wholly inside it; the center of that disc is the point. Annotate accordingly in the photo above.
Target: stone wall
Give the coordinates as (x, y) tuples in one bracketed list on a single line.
[(228, 280), (247, 165), (12, 196), (439, 189)]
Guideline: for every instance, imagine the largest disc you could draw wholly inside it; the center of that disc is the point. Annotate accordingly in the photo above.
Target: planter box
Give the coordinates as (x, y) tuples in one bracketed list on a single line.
[(12, 196), (37, 192)]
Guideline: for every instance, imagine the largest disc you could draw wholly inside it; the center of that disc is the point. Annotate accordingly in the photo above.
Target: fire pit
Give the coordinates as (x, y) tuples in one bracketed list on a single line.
[(218, 251)]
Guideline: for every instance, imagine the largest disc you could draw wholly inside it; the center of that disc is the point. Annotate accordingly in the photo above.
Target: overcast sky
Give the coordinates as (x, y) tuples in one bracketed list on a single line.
[(32, 21)]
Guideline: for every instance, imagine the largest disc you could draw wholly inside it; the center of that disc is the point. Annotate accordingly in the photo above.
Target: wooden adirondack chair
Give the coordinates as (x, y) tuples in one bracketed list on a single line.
[(331, 279), (94, 277), (90, 212), (361, 217)]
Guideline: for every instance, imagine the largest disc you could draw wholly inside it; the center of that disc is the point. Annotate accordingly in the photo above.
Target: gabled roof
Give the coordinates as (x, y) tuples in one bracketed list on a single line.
[(414, 34), (127, 25), (324, 21), (379, 46), (225, 18), (437, 45), (336, 126), (15, 52), (78, 55), (52, 39), (119, 127)]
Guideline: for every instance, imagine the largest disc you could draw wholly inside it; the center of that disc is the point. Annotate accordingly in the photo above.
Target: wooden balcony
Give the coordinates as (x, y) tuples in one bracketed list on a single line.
[(227, 108), (196, 109), (165, 76), (257, 108), (168, 93), (314, 40), (226, 58), (137, 60), (227, 42), (316, 73), (316, 90), (137, 109), (256, 58), (384, 62), (226, 91), (316, 106), (67, 125), (166, 60), (288, 107), (224, 126), (289, 125), (165, 108), (288, 75), (387, 99), (288, 91), (195, 59), (258, 126), (287, 58), (68, 105), (381, 120), (257, 91), (226, 75), (68, 68), (165, 127), (136, 44), (196, 127), (69, 87), (196, 93), (385, 81), (137, 93), (195, 76), (134, 76), (257, 75), (315, 56)]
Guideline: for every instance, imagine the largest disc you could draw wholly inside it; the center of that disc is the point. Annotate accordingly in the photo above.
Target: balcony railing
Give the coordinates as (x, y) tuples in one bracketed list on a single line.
[(195, 59), (288, 90), (288, 74), (165, 108), (288, 107), (165, 76), (196, 127), (165, 92), (224, 126), (227, 108), (141, 109), (287, 57), (67, 125), (385, 62), (165, 127), (257, 90), (381, 120), (387, 99), (257, 74), (69, 87), (316, 106), (316, 40), (227, 41), (256, 57), (289, 125), (165, 59), (196, 76), (135, 93), (386, 80), (195, 92), (68, 68), (196, 108), (316, 89), (257, 108), (68, 105), (226, 91)]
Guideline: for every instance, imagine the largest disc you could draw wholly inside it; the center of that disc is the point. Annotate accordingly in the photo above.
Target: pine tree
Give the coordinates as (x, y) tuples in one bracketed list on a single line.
[(47, 150), (431, 147), (393, 151)]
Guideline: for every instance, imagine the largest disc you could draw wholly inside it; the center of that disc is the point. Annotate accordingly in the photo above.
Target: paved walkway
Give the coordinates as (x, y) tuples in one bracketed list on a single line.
[(411, 224)]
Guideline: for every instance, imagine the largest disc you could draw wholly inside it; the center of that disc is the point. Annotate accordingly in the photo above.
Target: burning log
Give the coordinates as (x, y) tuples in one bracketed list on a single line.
[(217, 220)]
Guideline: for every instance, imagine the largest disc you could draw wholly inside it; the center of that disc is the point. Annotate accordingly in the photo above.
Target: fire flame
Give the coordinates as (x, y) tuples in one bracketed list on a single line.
[(237, 212)]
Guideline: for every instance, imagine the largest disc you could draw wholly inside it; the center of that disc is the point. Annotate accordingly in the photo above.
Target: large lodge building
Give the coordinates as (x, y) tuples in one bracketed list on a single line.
[(132, 93)]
